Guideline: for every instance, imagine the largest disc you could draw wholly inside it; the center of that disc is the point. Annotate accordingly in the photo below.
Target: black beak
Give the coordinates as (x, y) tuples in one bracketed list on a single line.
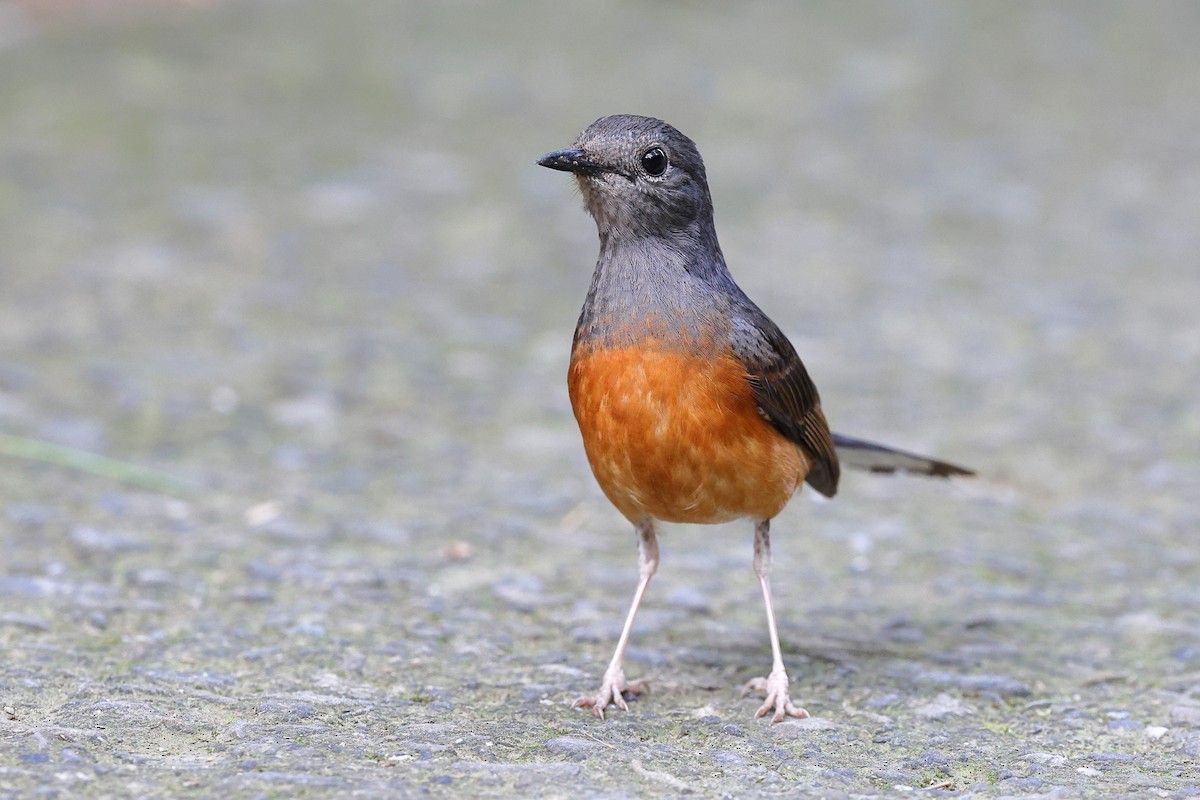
[(572, 160)]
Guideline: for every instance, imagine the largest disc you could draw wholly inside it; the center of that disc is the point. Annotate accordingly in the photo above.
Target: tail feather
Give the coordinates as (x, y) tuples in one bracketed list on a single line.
[(861, 454)]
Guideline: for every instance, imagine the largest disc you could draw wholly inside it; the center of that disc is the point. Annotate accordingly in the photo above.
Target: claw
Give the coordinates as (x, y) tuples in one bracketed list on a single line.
[(612, 690), (775, 686)]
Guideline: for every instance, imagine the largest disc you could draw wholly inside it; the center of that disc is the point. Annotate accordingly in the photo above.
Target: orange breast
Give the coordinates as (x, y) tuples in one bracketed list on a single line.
[(678, 438)]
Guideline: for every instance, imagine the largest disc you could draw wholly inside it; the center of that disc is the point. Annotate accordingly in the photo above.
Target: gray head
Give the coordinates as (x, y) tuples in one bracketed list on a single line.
[(639, 176)]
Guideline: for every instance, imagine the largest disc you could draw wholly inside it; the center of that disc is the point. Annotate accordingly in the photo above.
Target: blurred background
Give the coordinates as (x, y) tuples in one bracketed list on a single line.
[(286, 247), (291, 266)]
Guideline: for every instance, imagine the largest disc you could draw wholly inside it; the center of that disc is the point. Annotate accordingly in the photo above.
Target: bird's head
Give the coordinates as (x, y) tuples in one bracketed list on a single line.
[(638, 175)]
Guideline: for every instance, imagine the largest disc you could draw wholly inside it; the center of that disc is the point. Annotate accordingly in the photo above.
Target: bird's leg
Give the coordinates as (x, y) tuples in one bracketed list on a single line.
[(614, 685), (774, 685)]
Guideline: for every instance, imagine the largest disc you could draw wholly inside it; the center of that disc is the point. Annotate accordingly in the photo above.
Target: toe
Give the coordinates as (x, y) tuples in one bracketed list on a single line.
[(772, 704), (794, 711), (593, 703)]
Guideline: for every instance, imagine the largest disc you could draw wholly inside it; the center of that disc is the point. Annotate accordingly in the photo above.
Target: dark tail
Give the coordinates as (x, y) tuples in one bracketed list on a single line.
[(872, 457)]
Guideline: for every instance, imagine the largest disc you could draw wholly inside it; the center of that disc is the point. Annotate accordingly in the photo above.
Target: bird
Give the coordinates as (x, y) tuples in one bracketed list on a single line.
[(692, 404)]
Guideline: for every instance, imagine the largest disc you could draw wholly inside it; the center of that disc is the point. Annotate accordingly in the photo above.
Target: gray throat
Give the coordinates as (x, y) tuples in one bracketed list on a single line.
[(655, 287)]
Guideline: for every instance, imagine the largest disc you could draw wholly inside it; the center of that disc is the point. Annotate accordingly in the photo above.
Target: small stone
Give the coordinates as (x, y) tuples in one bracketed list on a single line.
[(980, 683), (522, 592), (26, 621), (1124, 725), (149, 577), (1186, 714), (943, 706), (286, 708), (846, 774), (1030, 783), (572, 747), (1186, 653), (1047, 759), (931, 758), (95, 540), (791, 725), (259, 515), (27, 515)]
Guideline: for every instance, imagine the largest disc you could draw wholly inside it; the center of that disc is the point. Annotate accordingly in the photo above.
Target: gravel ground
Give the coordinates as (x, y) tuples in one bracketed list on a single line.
[(295, 261)]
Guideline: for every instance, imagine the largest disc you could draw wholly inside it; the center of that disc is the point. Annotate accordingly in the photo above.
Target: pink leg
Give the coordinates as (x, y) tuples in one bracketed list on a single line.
[(614, 685), (776, 684)]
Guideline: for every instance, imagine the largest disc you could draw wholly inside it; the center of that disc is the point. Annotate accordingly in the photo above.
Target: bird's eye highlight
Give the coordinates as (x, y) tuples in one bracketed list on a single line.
[(654, 161)]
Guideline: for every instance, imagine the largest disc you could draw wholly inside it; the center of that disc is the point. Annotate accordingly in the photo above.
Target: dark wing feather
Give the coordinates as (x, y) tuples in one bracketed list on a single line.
[(786, 397)]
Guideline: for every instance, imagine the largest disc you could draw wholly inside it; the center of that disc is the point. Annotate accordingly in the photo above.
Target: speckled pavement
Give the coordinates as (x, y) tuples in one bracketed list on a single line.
[(296, 261)]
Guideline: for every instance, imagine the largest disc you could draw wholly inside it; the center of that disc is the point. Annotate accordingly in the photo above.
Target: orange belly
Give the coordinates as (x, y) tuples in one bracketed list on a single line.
[(678, 438)]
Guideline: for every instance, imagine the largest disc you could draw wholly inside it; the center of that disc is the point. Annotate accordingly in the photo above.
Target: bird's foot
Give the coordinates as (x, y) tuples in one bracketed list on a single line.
[(612, 690), (775, 686)]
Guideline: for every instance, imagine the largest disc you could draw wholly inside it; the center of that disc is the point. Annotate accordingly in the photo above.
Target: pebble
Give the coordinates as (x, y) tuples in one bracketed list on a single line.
[(27, 622), (103, 542), (1185, 714), (943, 706), (572, 747)]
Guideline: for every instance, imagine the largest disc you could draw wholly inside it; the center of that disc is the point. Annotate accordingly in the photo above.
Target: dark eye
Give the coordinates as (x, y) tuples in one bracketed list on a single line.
[(654, 161)]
